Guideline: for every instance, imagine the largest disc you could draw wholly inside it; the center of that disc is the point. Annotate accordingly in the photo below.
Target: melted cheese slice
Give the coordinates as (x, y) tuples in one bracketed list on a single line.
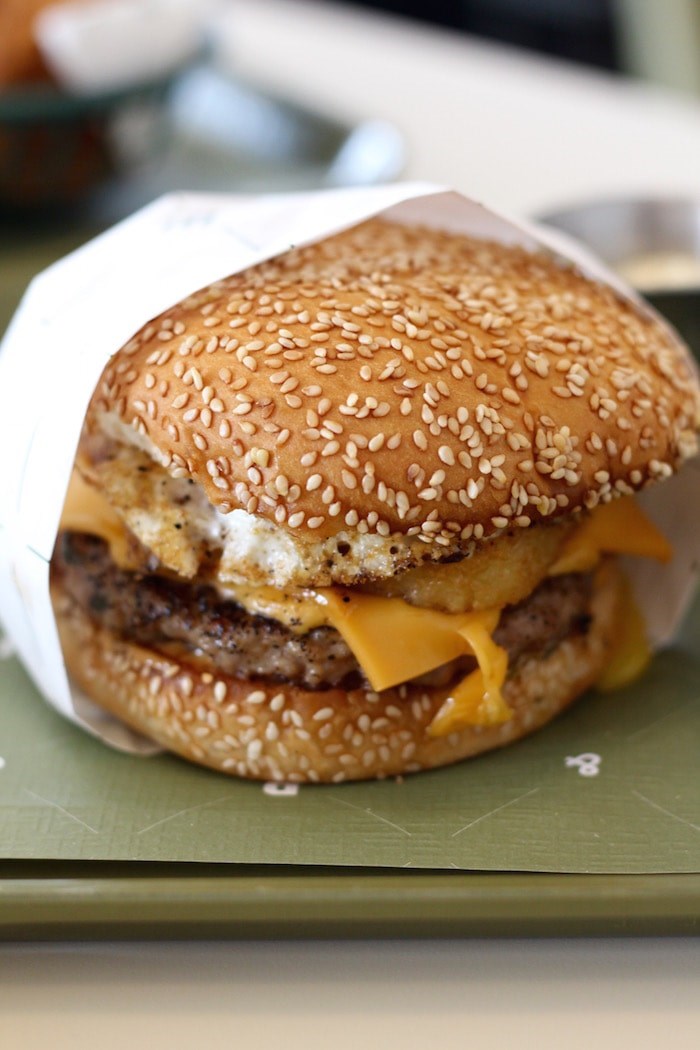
[(631, 650), (86, 510), (477, 700), (395, 642), (618, 527), (398, 641)]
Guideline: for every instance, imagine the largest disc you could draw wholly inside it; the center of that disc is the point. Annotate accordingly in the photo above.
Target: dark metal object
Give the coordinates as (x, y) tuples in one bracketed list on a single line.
[(621, 230)]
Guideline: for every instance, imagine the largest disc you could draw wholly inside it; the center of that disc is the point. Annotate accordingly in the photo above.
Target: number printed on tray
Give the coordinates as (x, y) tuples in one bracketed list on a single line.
[(587, 763), (279, 790)]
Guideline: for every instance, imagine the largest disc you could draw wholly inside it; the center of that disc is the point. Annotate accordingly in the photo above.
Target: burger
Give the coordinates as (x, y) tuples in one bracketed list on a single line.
[(355, 512)]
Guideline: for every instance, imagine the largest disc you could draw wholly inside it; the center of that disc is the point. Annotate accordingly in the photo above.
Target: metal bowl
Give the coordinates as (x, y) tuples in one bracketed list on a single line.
[(653, 243), (627, 232)]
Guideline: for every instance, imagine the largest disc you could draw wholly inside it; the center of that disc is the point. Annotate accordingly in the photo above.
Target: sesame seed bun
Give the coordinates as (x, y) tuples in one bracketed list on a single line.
[(401, 391), (285, 733)]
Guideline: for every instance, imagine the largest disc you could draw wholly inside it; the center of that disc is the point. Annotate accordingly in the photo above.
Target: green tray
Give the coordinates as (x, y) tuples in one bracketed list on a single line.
[(120, 902), (58, 879), (54, 886)]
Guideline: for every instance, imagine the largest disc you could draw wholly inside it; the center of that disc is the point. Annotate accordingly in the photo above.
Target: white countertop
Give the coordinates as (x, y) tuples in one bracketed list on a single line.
[(484, 995), (524, 134)]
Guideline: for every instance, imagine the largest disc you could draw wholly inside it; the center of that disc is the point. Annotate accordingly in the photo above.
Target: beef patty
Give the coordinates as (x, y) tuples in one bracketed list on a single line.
[(193, 622)]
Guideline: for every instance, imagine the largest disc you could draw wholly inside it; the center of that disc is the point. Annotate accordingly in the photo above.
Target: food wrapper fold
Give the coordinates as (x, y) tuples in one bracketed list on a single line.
[(79, 311)]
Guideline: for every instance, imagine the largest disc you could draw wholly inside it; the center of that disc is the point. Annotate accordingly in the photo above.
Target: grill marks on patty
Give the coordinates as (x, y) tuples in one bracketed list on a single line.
[(194, 623)]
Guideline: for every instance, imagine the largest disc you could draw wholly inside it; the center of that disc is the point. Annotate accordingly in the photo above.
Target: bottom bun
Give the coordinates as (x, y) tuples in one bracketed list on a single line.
[(274, 731)]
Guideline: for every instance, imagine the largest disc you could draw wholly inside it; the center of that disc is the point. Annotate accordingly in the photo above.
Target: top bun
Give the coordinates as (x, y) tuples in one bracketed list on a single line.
[(401, 381)]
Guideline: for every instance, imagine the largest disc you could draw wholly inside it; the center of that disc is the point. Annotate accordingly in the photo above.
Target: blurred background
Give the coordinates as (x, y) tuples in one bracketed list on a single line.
[(644, 38), (546, 108)]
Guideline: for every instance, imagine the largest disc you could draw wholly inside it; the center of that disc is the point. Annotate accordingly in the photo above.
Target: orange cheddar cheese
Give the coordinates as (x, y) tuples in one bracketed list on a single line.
[(395, 642), (86, 510), (631, 650), (618, 527)]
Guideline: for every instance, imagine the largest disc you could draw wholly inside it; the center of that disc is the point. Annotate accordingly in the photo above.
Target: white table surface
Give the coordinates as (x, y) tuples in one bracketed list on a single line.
[(485, 995), (519, 131), (524, 134)]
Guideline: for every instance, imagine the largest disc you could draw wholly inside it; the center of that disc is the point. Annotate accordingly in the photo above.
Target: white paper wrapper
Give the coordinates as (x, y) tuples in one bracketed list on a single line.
[(83, 308)]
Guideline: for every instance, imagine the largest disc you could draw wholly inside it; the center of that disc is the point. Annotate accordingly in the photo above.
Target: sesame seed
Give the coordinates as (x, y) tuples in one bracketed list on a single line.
[(254, 750), (256, 697), (323, 714)]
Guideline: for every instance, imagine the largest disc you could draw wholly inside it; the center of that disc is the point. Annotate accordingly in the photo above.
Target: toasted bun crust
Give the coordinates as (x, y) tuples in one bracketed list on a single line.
[(395, 380), (277, 732)]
